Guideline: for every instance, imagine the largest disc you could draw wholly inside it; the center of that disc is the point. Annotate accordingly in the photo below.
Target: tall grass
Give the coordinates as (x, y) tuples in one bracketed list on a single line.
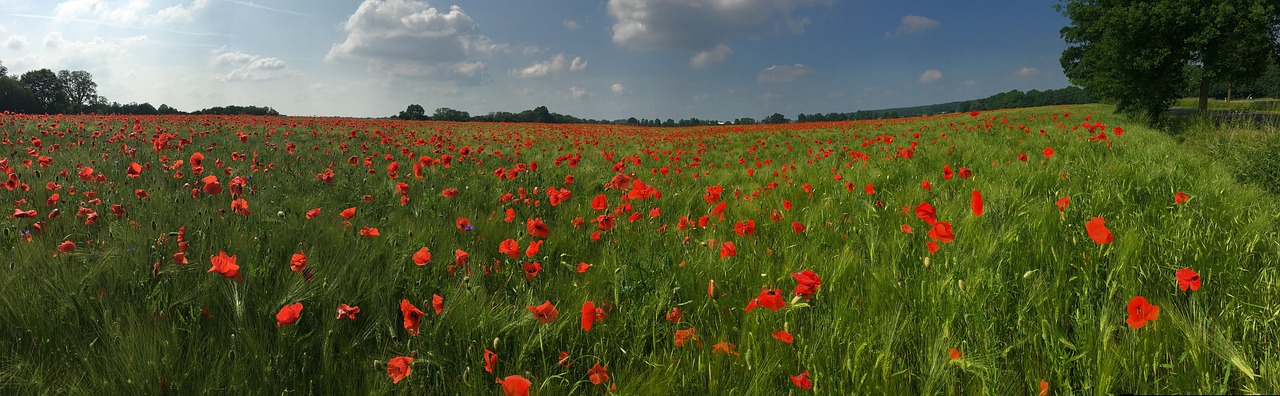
[(1023, 293)]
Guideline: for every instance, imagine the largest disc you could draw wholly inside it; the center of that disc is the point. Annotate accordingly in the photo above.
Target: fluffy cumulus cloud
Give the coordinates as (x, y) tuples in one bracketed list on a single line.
[(412, 38), (246, 67), (930, 75), (711, 57), (700, 25), (784, 73), (578, 93), (617, 89), (72, 55), (556, 65), (132, 12), (913, 24), (571, 24), (15, 43), (1028, 72)]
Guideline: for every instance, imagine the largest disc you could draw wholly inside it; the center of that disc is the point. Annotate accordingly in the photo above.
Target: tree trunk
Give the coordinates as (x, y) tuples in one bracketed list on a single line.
[(1228, 92), (1204, 94)]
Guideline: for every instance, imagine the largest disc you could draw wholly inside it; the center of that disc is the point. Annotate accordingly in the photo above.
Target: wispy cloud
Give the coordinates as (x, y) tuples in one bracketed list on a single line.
[(251, 4)]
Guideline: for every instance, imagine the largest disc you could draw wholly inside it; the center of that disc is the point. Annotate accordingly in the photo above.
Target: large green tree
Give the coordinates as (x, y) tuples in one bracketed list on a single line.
[(82, 92), (50, 91), (1140, 53)]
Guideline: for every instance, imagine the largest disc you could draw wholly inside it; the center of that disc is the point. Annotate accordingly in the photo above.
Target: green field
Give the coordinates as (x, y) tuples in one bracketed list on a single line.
[(1023, 293)]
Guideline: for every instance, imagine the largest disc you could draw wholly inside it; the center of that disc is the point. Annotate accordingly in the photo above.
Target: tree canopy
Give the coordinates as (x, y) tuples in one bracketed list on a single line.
[(1140, 54)]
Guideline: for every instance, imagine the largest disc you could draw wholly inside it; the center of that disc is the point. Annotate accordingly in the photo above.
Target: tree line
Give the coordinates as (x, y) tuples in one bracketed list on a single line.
[(74, 92), (1010, 99)]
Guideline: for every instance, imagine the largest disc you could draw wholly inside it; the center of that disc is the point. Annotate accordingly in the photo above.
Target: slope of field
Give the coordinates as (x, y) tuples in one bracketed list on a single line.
[(692, 246)]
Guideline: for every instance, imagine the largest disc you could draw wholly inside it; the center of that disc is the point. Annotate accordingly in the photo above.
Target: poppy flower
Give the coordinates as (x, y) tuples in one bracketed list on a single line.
[(211, 185), (933, 247), (460, 257), (600, 202), (728, 249), (674, 315), (67, 247), (298, 261), (768, 298), (683, 336), (925, 185), (545, 313), (531, 270), (398, 368), (347, 311), (807, 283), (975, 203), (947, 174), (140, 193), (598, 374), (906, 229), (563, 360), (783, 335), (965, 173), (1062, 203), (537, 228), (311, 214), (347, 213), (942, 232), (1140, 312), (369, 232), (180, 258), (134, 171), (288, 314), (591, 314), (802, 381), (786, 205), (606, 222), (1048, 152), (490, 360), (926, 212), (411, 316), (1180, 197), (511, 215), (225, 265), (583, 267), (463, 224), (954, 354), (744, 228), (1188, 278), (24, 214), (1044, 388), (515, 385), (422, 256), (725, 348), (437, 302), (533, 248), (797, 227), (1097, 228)]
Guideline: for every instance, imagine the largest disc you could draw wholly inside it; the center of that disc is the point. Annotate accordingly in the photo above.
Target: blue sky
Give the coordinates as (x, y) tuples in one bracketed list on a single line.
[(711, 59)]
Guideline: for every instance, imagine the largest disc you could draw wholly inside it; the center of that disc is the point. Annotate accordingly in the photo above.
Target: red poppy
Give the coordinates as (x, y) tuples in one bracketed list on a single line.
[(783, 335), (537, 228), (947, 174), (942, 232), (1048, 152), (965, 173), (598, 374), (786, 205), (180, 258), (509, 247), (583, 267), (369, 232), (1140, 312), (422, 256), (533, 248), (744, 228), (906, 229), (437, 302), (797, 227), (807, 283), (925, 185), (398, 368), (975, 203), (674, 315), (871, 189), (460, 257), (684, 335), (954, 354), (1188, 278), (933, 247), (545, 313), (531, 270), (225, 265), (600, 202), (298, 261), (211, 185), (563, 360), (67, 247), (347, 213), (411, 316), (802, 381), (135, 170), (25, 214), (1062, 203), (511, 215), (728, 249), (925, 212), (1044, 388), (725, 348), (449, 192), (591, 314), (288, 314), (1180, 197), (311, 214), (347, 311), (768, 298), (515, 385), (606, 222), (490, 360), (1097, 228)]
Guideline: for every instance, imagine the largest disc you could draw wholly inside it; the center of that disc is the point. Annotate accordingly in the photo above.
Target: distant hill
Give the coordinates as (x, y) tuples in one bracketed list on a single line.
[(1011, 99)]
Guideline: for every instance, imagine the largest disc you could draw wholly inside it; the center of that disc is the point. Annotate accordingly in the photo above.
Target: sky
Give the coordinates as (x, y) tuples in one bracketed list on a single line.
[(612, 59)]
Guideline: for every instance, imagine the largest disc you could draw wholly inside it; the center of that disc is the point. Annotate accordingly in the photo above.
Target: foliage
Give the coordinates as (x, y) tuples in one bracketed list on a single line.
[(1022, 294)]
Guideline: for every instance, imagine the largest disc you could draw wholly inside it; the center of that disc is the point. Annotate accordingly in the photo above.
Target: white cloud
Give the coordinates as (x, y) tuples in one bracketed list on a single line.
[(131, 13), (578, 93), (557, 64), (571, 24), (15, 43), (617, 89), (971, 83), (701, 24), (930, 75), (246, 67), (768, 96), (711, 57), (784, 73), (75, 55), (410, 38), (1028, 72), (913, 24)]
